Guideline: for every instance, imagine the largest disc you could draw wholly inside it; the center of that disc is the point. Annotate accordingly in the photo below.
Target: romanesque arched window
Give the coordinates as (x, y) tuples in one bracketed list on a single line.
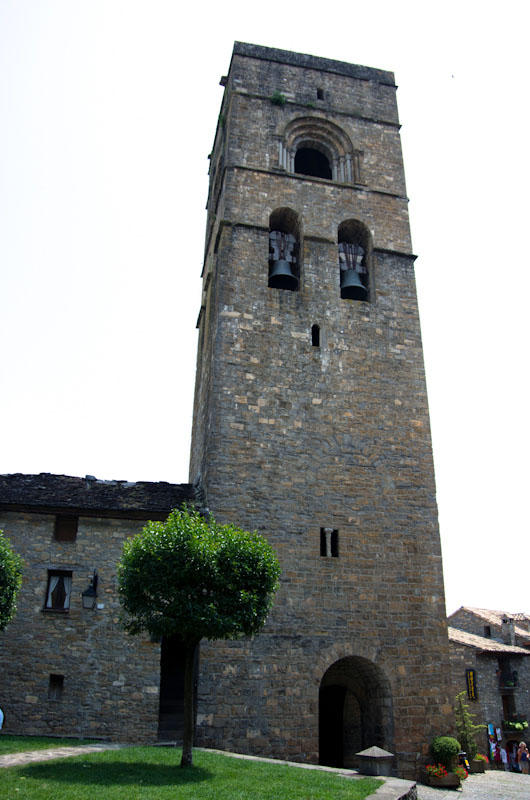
[(310, 160), (314, 146), (284, 249), (355, 250)]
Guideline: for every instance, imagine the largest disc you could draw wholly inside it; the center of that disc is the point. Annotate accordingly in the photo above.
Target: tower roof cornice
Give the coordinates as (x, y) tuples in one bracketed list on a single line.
[(314, 62)]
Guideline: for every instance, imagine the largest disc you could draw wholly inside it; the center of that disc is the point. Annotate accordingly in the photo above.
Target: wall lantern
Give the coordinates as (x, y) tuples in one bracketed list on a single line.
[(89, 596)]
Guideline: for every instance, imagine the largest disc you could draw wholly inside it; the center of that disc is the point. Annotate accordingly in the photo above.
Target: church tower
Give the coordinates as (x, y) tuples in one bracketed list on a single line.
[(311, 422)]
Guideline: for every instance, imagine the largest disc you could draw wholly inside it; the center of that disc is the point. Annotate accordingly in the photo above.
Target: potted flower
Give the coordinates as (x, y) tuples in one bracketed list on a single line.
[(478, 764), (437, 775), (443, 772), (515, 725), (436, 770)]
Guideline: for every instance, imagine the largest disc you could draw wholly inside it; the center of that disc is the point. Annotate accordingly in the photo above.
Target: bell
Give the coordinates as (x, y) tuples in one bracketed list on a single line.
[(281, 276), (351, 287)]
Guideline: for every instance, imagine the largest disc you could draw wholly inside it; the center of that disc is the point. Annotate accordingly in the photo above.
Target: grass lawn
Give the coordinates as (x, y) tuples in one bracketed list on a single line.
[(153, 773), (20, 744)]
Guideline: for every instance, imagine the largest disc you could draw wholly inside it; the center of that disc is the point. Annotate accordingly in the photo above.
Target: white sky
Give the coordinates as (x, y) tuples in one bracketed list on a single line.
[(107, 115)]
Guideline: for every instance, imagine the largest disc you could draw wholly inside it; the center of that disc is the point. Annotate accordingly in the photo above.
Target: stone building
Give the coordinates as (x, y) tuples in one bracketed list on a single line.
[(310, 425), (489, 652), (67, 670), (311, 421)]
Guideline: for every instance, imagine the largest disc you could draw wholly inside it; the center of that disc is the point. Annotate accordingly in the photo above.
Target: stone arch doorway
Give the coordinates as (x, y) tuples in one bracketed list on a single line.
[(355, 711)]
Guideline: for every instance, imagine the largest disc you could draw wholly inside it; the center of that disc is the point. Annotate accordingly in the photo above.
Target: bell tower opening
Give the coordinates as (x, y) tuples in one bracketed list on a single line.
[(354, 248), (284, 248)]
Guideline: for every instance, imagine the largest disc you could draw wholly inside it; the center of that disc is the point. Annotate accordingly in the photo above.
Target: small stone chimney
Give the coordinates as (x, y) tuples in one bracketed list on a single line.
[(508, 630)]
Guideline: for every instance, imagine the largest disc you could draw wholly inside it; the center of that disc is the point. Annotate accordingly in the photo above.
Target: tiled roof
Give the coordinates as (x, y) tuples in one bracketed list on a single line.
[(483, 643), (519, 617), (56, 493), (496, 617)]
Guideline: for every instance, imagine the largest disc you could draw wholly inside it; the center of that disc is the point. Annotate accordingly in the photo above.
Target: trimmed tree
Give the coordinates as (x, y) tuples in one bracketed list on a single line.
[(192, 577), (10, 580), (445, 751), (466, 726)]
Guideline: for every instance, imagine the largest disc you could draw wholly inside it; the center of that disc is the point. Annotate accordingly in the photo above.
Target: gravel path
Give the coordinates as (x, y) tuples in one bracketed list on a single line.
[(492, 785), (19, 759)]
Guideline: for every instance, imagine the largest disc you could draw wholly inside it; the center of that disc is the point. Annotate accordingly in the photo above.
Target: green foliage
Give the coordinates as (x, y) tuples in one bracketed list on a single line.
[(511, 725), (278, 99), (10, 580), (445, 750), (196, 578), (191, 577), (151, 773), (466, 726)]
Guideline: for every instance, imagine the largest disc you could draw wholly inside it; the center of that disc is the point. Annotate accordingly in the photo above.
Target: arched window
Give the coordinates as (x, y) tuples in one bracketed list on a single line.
[(314, 146), (354, 256), (284, 248), (310, 161)]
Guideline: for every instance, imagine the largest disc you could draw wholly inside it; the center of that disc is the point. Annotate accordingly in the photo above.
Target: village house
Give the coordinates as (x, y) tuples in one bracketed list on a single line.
[(489, 652)]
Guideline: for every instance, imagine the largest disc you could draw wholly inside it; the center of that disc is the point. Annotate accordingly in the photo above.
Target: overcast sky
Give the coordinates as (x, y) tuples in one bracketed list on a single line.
[(108, 110)]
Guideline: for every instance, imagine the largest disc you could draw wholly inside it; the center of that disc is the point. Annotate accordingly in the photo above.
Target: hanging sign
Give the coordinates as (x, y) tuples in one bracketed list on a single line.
[(471, 681)]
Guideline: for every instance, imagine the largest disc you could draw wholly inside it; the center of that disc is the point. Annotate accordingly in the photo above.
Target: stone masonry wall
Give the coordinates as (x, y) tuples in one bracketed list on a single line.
[(488, 707), (111, 680)]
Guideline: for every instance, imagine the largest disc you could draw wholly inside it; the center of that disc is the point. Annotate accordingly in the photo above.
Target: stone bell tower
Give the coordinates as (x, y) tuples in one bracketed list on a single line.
[(311, 422)]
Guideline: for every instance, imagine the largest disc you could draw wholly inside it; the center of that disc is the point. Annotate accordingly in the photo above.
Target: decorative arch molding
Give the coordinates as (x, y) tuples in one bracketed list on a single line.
[(327, 138), (338, 652)]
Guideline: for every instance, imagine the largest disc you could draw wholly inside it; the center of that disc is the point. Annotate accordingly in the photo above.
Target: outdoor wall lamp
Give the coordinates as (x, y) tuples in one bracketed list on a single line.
[(89, 596)]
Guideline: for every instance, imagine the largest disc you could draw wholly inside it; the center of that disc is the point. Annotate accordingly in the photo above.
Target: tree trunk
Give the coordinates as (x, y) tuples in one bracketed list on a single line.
[(189, 711)]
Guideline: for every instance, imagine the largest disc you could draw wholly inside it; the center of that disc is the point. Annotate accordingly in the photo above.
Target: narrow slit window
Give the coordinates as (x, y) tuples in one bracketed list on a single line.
[(55, 687), (320, 94), (329, 543), (315, 335)]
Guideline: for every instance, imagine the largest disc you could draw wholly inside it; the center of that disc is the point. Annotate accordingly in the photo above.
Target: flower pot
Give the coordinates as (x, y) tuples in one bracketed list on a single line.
[(449, 781), (477, 766)]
